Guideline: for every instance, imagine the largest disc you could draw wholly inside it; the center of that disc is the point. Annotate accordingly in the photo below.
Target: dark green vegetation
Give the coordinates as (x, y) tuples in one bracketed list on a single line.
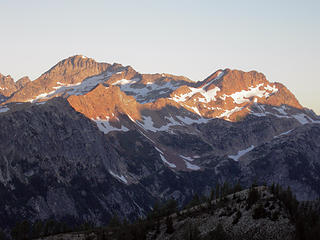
[(304, 216), (25, 230)]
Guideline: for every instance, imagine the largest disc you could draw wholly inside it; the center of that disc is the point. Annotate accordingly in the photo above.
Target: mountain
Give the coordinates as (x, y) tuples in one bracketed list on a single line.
[(88, 140)]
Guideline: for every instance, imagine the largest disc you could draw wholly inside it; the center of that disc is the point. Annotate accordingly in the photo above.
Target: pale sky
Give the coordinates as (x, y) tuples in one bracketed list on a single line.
[(192, 38)]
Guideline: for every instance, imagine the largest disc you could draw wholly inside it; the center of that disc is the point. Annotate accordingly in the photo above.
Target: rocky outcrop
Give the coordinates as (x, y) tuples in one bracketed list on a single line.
[(8, 86), (105, 102)]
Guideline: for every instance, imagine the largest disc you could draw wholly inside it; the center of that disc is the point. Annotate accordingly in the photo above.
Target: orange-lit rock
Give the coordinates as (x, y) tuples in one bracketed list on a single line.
[(8, 86), (69, 71), (105, 103)]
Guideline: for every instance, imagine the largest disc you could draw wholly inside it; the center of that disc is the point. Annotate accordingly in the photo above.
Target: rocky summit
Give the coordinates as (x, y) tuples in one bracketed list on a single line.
[(8, 86), (89, 140)]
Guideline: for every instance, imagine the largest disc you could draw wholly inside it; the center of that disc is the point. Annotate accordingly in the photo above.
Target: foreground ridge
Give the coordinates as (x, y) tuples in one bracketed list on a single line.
[(255, 213)]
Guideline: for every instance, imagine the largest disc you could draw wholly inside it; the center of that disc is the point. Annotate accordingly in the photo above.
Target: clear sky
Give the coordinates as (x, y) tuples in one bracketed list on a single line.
[(191, 38)]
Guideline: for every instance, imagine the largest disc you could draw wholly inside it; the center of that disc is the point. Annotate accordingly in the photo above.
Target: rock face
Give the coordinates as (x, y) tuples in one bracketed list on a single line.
[(60, 167), (291, 159), (8, 86), (103, 139), (105, 102)]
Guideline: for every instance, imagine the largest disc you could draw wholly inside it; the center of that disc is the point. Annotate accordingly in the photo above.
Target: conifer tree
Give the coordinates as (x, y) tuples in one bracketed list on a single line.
[(169, 224)]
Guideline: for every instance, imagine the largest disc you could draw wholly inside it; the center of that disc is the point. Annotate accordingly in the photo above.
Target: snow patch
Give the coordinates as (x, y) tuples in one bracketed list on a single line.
[(65, 85), (130, 118), (228, 113), (121, 178), (158, 150), (186, 158), (146, 136), (284, 133), (125, 82), (207, 95), (148, 124), (241, 153), (281, 110), (190, 121), (196, 110), (258, 114), (263, 114), (191, 166), (41, 103), (302, 118), (165, 161), (172, 120), (41, 96), (105, 127), (271, 89), (4, 109), (142, 91), (86, 85), (245, 95), (220, 75)]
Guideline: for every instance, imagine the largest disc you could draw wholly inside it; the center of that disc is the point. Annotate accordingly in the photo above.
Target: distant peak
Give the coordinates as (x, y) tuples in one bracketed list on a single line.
[(216, 75), (75, 59), (4, 76), (236, 75), (79, 58), (75, 62), (23, 81)]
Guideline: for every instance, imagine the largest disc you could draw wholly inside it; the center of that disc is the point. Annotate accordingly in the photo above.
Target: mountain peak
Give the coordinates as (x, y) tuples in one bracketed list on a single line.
[(69, 71), (79, 57), (230, 93), (76, 61), (3, 77)]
